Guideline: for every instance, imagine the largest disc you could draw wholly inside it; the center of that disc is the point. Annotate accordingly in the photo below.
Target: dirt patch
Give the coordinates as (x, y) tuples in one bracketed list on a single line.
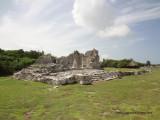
[(27, 115)]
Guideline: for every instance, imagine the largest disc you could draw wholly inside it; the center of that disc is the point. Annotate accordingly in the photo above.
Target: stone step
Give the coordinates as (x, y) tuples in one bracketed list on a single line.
[(95, 79), (96, 76)]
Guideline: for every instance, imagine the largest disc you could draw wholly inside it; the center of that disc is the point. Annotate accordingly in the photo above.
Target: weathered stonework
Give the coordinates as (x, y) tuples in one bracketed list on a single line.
[(75, 68), (46, 59), (76, 60), (47, 74), (91, 59)]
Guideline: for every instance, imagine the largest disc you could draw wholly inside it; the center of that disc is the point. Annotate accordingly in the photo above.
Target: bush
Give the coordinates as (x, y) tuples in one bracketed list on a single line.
[(125, 63), (14, 60)]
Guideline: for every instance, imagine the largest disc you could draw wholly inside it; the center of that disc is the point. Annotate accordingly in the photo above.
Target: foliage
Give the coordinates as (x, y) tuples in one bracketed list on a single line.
[(13, 60), (125, 63)]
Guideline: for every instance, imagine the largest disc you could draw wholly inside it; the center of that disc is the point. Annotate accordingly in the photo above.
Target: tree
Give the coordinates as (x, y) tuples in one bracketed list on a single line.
[(14, 60), (124, 63)]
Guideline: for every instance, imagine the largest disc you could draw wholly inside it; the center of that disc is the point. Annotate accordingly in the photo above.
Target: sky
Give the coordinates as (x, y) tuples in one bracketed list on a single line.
[(117, 28)]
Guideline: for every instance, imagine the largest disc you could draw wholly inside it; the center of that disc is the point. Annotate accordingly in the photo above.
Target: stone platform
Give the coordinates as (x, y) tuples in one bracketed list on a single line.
[(74, 68), (48, 74)]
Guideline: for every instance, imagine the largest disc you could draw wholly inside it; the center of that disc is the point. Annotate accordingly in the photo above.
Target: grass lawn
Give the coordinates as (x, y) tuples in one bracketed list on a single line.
[(121, 99), (111, 69)]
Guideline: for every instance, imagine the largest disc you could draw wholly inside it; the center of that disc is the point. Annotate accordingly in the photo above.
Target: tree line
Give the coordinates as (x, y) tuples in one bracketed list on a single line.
[(124, 63), (14, 60)]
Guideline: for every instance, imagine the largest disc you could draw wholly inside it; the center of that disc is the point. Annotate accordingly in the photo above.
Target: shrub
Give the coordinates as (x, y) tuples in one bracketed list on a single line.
[(125, 63), (14, 60)]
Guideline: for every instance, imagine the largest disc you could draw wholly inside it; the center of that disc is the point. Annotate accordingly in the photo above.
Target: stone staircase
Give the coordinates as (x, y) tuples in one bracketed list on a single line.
[(105, 76), (96, 77)]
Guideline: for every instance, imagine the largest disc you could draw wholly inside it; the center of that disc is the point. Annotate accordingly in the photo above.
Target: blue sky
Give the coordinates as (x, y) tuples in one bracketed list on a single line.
[(117, 28)]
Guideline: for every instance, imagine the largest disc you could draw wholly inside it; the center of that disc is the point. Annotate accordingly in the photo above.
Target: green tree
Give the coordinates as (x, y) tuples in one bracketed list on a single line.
[(14, 60)]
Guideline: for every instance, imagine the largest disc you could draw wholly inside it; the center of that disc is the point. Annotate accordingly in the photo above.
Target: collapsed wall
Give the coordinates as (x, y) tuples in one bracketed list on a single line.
[(74, 68), (49, 74), (76, 60)]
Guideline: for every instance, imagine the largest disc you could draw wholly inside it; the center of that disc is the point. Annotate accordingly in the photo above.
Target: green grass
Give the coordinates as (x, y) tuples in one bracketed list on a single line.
[(25, 100), (111, 69)]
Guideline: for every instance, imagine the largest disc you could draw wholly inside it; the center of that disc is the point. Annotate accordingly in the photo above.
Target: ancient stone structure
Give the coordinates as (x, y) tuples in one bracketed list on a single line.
[(46, 59), (76, 60), (91, 59), (48, 74), (75, 68)]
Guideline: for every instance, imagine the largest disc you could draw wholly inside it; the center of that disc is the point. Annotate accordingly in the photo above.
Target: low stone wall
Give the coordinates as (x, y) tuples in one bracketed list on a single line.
[(85, 76)]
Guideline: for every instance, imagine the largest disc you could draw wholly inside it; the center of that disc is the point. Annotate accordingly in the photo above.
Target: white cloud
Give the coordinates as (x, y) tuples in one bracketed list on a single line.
[(99, 16), (52, 38), (108, 21), (115, 31), (95, 14), (139, 11), (140, 16), (48, 24), (29, 29)]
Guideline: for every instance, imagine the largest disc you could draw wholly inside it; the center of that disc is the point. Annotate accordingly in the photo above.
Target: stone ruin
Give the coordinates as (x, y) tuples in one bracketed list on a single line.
[(74, 68), (76, 60)]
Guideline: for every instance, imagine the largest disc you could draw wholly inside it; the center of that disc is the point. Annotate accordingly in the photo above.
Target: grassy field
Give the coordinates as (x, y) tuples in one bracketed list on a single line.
[(111, 69), (123, 99)]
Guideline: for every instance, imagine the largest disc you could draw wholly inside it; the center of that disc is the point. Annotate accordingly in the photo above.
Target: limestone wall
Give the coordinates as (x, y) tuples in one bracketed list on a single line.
[(78, 60)]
